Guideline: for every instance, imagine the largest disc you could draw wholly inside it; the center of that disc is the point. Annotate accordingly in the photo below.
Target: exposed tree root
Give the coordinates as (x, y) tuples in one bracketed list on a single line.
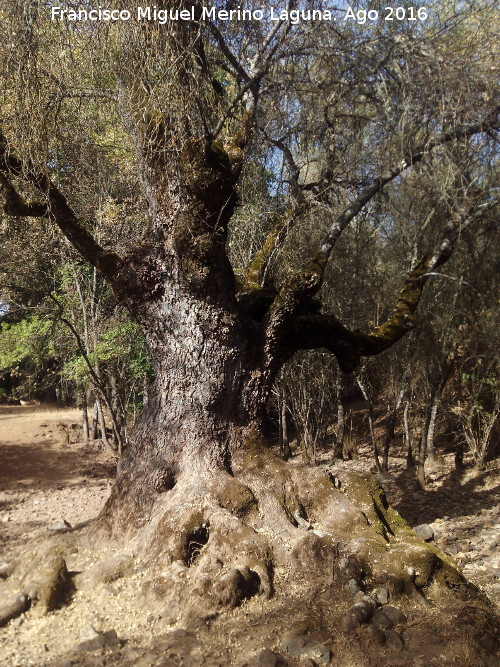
[(288, 539), (40, 580), (47, 582), (13, 607)]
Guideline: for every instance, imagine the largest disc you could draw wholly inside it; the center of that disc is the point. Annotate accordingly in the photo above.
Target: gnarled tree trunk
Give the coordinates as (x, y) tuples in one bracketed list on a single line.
[(202, 396), (202, 508)]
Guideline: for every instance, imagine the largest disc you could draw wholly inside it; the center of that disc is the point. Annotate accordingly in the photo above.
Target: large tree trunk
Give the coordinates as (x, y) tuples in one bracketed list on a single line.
[(206, 517), (202, 500), (195, 411), (202, 513), (194, 451)]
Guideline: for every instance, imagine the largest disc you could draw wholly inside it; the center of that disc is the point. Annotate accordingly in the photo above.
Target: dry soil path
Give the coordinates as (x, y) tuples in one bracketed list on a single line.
[(46, 477)]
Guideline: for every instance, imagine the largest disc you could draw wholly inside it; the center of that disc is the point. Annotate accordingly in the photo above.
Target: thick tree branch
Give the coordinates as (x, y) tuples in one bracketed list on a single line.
[(366, 195), (109, 264), (323, 330), (402, 319), (295, 293), (15, 205), (315, 331)]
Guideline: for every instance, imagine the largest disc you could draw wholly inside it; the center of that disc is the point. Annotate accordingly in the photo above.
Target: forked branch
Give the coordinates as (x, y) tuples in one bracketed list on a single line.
[(299, 289), (15, 204), (402, 318), (323, 330), (366, 195), (257, 70)]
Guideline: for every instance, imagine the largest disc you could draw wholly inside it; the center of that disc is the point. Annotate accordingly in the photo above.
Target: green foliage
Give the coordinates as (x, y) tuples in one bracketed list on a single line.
[(483, 390), (122, 345), (27, 355), (25, 341)]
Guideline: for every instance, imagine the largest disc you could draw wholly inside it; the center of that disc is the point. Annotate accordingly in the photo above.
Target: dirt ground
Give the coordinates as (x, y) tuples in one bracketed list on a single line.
[(47, 477)]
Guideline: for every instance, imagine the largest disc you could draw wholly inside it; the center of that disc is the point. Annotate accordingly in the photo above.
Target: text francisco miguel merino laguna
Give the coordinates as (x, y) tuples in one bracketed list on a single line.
[(207, 13)]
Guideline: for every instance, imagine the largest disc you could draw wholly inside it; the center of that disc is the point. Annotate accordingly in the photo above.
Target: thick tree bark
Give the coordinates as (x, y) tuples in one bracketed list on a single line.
[(186, 423), (207, 386), (200, 504)]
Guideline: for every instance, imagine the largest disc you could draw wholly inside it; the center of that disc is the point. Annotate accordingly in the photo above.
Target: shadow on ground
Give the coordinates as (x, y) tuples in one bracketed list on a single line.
[(452, 499), (45, 465)]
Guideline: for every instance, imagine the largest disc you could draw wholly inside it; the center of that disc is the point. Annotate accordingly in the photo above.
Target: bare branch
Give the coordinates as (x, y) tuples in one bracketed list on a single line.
[(87, 93), (323, 330), (267, 41), (292, 165), (393, 172), (257, 71), (96, 381), (300, 288), (256, 270), (228, 53), (402, 319)]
